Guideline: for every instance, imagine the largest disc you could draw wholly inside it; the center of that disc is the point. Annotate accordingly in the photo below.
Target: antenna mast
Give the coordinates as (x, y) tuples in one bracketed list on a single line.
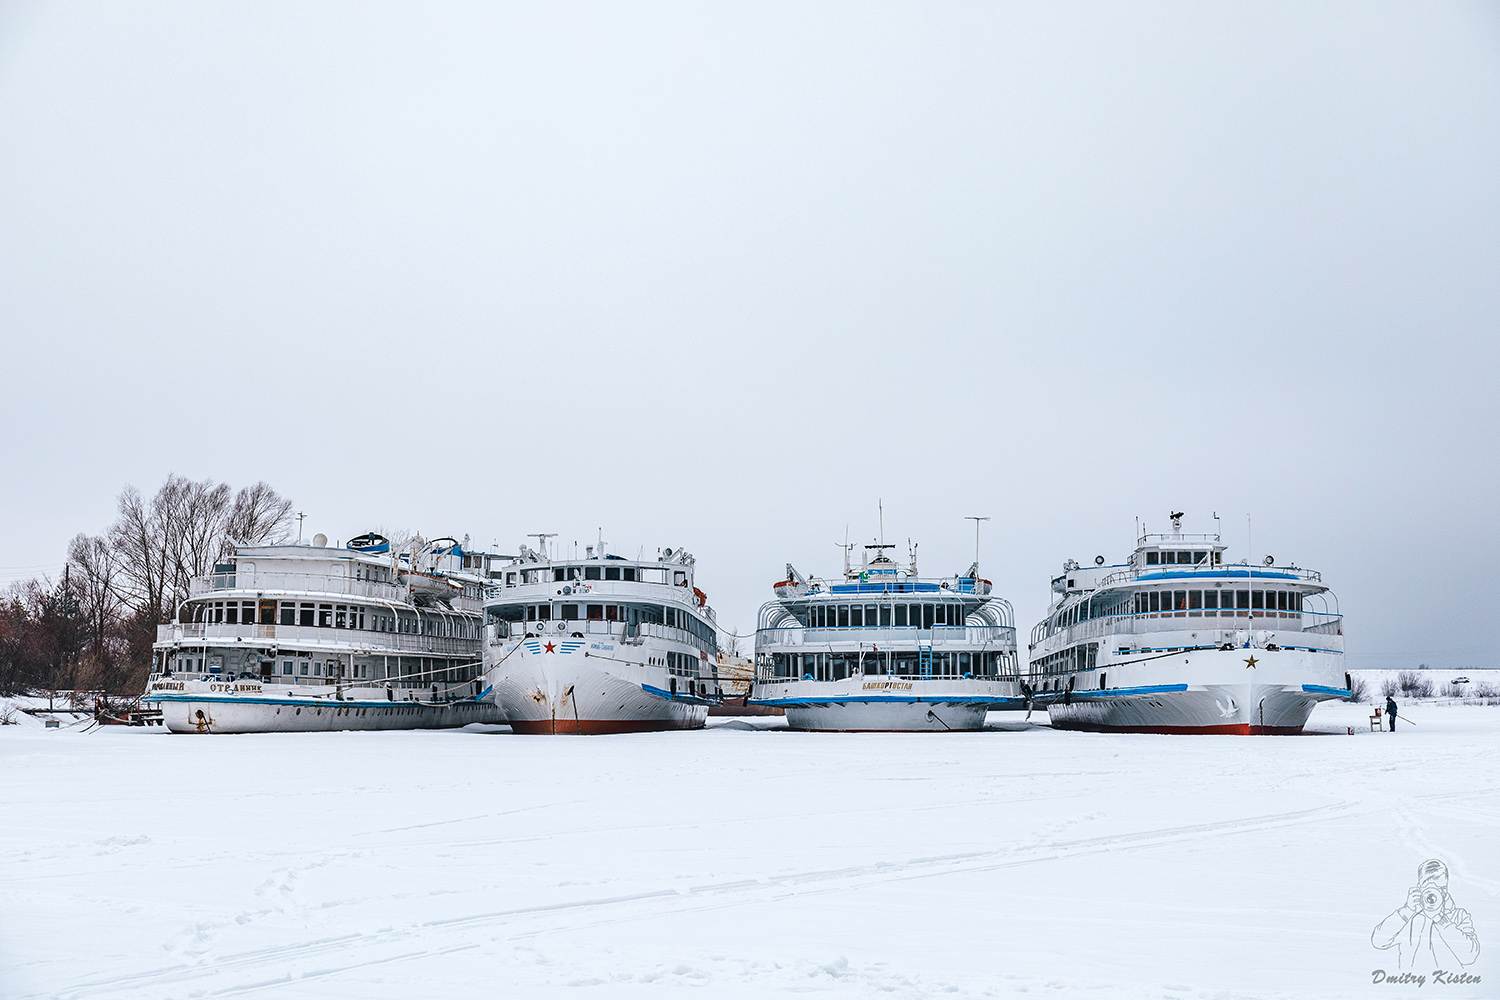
[(977, 521)]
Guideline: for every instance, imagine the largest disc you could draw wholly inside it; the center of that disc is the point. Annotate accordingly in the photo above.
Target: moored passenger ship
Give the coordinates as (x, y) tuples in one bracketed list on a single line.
[(886, 650), (1178, 640), (310, 637), (601, 644)]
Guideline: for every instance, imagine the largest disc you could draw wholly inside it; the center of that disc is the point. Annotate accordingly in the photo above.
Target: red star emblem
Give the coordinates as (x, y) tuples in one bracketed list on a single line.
[(551, 648)]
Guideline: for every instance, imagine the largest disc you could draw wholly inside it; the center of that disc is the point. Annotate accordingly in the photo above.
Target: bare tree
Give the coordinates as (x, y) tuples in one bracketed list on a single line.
[(259, 515), (140, 543), (94, 570)]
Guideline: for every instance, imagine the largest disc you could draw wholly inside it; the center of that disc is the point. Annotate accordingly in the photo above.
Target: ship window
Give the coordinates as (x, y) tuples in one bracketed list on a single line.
[(627, 573), (1294, 601), (1242, 599), (1195, 600), (1257, 600), (1281, 601), (1211, 599), (927, 615), (338, 616), (286, 667), (1154, 601), (611, 572), (843, 620), (611, 612), (679, 578), (856, 616), (232, 614), (885, 614), (1179, 600), (557, 575), (591, 572), (1152, 558), (900, 616), (288, 613), (595, 612), (1198, 557), (570, 612)]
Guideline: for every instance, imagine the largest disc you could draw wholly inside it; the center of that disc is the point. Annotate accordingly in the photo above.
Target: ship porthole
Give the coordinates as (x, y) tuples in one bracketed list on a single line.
[(299, 711)]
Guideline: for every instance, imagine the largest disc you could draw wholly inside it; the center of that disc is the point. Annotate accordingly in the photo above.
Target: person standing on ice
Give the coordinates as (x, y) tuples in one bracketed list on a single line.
[(1429, 930), (1390, 710)]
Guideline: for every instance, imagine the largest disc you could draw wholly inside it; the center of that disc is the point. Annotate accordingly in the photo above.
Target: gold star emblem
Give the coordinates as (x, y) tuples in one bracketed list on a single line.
[(1250, 662)]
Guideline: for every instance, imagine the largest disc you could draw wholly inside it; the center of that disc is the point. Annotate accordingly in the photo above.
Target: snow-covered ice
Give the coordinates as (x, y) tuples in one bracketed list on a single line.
[(740, 861)]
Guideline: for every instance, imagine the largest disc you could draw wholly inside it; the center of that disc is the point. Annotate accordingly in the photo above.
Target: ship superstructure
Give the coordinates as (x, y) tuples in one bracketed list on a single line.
[(886, 649), (601, 643), (305, 637), (1180, 640)]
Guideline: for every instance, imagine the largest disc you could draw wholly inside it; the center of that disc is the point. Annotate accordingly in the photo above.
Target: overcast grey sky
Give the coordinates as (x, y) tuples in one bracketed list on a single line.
[(725, 276)]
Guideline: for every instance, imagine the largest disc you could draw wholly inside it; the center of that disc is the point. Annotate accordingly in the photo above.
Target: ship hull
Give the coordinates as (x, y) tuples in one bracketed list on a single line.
[(191, 713), (1207, 692), (604, 688), (863, 704)]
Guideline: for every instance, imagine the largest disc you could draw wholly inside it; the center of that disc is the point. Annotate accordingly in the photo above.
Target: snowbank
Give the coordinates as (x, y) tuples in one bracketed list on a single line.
[(745, 861)]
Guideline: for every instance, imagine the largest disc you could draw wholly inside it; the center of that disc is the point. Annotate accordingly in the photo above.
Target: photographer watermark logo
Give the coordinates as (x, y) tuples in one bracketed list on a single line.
[(1433, 936)]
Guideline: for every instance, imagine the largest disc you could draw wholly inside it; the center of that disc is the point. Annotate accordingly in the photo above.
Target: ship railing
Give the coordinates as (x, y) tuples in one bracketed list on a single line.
[(1231, 571), (300, 583), (1255, 619), (617, 631), (883, 636), (310, 635)]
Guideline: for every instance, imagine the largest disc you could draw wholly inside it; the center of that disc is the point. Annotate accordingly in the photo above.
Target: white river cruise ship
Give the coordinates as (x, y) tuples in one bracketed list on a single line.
[(1178, 640), (601, 644), (308, 637), (886, 650)]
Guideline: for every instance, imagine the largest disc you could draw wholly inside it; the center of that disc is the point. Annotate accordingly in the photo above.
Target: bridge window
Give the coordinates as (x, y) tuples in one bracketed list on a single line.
[(570, 612), (1152, 558), (1242, 599), (1257, 600), (611, 572), (1195, 600), (885, 614), (856, 616), (1211, 600), (900, 616)]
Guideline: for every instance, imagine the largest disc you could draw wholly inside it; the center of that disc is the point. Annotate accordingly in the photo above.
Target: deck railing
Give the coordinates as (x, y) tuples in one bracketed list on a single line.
[(305, 635), (319, 584), (1311, 622), (888, 636)]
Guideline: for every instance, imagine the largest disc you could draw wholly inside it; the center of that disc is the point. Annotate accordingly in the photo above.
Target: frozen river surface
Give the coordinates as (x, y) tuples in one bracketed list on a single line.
[(738, 863)]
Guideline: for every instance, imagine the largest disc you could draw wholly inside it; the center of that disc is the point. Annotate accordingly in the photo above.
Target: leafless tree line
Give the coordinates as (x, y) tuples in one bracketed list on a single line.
[(95, 627)]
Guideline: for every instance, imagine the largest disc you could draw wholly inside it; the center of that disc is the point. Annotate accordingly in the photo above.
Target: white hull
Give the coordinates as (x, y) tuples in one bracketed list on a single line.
[(1206, 691), (882, 704), (206, 712), (559, 685)]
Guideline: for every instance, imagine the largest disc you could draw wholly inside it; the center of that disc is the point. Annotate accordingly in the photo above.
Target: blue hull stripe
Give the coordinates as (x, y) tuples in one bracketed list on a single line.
[(298, 702), (957, 699), (690, 699), (1320, 689)]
